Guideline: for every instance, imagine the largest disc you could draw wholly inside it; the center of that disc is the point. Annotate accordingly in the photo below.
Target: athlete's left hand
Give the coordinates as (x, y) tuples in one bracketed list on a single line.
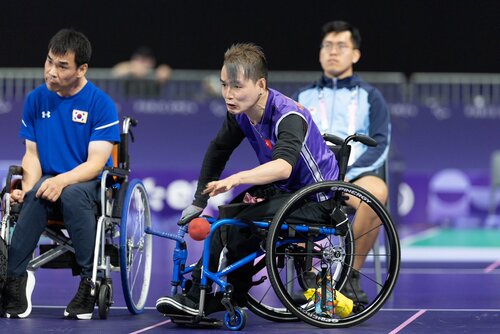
[(221, 186), (51, 189)]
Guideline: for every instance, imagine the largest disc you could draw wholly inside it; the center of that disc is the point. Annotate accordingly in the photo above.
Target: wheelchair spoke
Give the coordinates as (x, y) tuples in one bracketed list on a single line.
[(136, 272), (321, 256)]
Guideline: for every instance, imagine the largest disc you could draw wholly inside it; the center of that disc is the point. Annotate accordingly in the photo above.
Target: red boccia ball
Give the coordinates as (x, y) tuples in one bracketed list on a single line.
[(199, 228)]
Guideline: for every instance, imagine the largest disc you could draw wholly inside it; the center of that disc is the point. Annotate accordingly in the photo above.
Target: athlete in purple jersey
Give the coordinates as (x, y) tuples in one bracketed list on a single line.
[(291, 152)]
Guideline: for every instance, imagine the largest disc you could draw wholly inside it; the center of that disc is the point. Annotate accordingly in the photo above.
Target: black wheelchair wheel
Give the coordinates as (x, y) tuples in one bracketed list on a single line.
[(236, 322), (136, 249), (104, 301), (329, 257)]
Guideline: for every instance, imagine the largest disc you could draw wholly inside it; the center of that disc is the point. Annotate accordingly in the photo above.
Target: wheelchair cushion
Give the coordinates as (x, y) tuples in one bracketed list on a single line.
[(232, 210)]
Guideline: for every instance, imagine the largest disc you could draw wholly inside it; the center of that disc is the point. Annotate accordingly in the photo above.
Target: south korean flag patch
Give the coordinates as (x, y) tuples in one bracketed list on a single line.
[(80, 116)]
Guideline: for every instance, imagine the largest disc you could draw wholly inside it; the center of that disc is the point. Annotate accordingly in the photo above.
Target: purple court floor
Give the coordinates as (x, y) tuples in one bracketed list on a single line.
[(429, 298)]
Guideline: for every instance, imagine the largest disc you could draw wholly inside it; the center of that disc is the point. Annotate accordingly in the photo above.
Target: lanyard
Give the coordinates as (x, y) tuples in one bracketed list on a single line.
[(352, 108)]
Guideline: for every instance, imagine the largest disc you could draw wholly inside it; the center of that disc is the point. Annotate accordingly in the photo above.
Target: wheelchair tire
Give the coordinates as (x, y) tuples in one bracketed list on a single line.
[(104, 301), (332, 260), (237, 322), (135, 247)]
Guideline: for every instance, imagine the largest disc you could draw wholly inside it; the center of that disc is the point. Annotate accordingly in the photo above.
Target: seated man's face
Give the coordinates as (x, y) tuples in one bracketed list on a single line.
[(337, 55), (62, 74)]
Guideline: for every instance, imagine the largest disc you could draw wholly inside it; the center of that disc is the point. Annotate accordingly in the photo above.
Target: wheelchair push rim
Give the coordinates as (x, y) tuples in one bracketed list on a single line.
[(135, 247)]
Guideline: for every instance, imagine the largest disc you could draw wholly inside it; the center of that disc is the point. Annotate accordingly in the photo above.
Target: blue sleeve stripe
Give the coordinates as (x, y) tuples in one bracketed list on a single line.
[(106, 126), (24, 123)]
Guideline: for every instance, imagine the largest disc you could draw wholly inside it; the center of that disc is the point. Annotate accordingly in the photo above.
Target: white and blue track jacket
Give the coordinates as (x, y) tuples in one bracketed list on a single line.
[(346, 106)]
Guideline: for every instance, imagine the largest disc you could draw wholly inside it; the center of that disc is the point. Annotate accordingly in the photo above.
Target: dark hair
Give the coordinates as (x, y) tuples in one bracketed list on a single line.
[(246, 56), (340, 26), (71, 40), (144, 52)]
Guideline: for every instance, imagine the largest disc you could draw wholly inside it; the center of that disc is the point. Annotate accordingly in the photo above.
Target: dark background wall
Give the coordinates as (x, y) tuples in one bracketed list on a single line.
[(404, 36)]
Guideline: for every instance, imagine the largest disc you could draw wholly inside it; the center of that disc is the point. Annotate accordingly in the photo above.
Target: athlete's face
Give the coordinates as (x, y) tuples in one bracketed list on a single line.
[(240, 94), (337, 55), (61, 73)]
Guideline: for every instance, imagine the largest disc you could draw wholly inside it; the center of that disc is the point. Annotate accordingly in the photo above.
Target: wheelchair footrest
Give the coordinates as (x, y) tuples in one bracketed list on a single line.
[(66, 260), (195, 321)]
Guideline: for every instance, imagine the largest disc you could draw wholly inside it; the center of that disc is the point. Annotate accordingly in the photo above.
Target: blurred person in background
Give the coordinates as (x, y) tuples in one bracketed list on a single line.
[(342, 104), (142, 76)]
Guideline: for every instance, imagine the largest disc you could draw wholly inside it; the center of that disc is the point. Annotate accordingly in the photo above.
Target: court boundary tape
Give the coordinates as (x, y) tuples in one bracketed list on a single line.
[(492, 267), (145, 329), (407, 322)]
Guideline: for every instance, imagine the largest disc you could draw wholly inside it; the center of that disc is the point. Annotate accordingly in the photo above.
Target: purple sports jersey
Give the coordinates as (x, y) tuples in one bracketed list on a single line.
[(316, 161)]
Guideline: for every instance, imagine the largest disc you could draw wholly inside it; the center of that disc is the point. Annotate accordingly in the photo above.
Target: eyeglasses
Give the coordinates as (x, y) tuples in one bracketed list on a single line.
[(339, 47)]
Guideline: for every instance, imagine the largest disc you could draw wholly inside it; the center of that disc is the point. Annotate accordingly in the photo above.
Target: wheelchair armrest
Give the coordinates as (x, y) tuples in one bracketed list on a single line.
[(13, 170), (336, 140), (119, 172)]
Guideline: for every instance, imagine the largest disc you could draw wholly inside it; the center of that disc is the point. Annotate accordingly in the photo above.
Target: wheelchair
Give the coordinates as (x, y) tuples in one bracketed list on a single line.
[(121, 244), (301, 268)]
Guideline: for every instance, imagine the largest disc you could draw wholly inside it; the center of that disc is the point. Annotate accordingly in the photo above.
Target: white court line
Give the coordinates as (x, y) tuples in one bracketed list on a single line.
[(426, 234), (441, 309), (449, 254), (442, 271), (112, 307), (118, 307), (151, 327), (407, 322)]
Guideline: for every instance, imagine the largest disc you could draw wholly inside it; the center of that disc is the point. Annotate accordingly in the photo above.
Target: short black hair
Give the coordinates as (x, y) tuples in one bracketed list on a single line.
[(144, 52), (71, 40), (340, 26), (248, 57)]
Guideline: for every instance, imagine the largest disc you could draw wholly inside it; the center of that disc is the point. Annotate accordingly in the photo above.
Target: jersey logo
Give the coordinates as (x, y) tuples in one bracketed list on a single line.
[(300, 106), (45, 114), (80, 116)]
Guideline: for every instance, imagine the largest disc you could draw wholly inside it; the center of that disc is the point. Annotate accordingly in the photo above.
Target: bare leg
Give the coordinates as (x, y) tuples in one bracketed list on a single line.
[(365, 231)]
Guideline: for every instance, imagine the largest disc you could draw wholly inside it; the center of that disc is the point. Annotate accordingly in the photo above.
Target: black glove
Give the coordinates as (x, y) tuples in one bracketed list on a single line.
[(189, 214)]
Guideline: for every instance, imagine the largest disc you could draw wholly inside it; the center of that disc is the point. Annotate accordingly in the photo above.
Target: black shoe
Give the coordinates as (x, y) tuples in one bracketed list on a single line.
[(178, 305), (82, 305), (189, 305), (17, 295), (352, 289)]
